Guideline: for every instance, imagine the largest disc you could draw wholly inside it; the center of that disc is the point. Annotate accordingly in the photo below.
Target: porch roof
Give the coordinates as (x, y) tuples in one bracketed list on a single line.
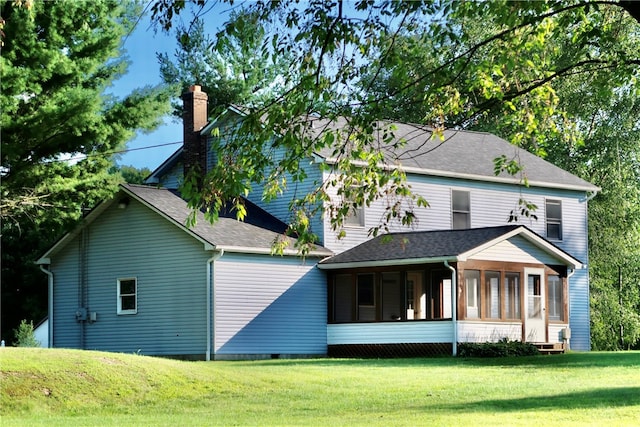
[(437, 246)]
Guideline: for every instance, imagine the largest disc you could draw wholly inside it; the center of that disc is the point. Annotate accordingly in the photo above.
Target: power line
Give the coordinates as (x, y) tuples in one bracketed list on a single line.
[(110, 153)]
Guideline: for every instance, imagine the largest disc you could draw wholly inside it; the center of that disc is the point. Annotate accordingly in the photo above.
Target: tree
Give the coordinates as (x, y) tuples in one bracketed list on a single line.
[(503, 70), (58, 58), (237, 69), (131, 174)]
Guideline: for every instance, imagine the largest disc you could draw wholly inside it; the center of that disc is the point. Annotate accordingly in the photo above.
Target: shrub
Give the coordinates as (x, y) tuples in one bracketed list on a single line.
[(502, 348), (25, 335)]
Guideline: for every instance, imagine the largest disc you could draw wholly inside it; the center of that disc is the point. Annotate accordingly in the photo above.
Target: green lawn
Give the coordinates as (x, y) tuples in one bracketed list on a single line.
[(66, 387)]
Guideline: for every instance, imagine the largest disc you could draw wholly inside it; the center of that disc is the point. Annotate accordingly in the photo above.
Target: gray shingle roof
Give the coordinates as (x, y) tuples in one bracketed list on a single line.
[(464, 154), (419, 245), (430, 246), (227, 233)]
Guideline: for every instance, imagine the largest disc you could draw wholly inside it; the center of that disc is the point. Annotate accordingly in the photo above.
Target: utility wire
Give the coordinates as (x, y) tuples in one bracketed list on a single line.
[(110, 153)]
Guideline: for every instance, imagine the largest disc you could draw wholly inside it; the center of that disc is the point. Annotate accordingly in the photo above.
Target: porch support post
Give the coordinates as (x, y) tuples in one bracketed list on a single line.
[(454, 307)]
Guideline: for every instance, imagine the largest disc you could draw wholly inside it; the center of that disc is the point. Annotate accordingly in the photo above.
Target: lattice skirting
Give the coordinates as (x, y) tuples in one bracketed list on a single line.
[(389, 350)]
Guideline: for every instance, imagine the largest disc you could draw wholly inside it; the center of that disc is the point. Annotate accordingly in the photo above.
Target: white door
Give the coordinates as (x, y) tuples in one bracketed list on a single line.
[(535, 306)]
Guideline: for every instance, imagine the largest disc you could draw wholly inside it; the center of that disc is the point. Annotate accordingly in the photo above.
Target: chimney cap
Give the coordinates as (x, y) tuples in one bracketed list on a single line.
[(195, 88)]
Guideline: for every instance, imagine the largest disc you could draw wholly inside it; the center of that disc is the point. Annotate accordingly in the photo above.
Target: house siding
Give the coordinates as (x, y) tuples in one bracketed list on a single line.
[(269, 305), (491, 205), (170, 268), (488, 331), (390, 333), (516, 249), (173, 178)]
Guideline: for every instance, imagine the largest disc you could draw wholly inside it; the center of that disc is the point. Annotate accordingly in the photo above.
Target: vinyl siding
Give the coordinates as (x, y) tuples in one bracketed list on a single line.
[(173, 178), (516, 249), (269, 305), (491, 205), (390, 333), (488, 331), (170, 268)]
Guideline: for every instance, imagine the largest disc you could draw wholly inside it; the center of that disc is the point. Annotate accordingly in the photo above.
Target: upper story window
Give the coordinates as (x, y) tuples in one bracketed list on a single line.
[(127, 296), (554, 219), (460, 209), (355, 217)]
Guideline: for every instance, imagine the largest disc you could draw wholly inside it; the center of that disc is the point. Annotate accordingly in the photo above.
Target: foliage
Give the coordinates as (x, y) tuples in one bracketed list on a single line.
[(60, 387), (57, 61), (483, 61), (502, 348), (131, 174), (25, 335), (235, 69)]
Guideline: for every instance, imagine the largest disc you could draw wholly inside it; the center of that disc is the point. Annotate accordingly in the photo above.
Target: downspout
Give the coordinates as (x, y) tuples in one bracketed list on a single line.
[(573, 271), (210, 261), (50, 308), (454, 307)]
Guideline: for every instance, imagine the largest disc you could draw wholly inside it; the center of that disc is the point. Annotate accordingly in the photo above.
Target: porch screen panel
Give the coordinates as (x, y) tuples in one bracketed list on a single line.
[(416, 298), (366, 297), (392, 297), (512, 295), (492, 294), (555, 298), (472, 291), (342, 298)]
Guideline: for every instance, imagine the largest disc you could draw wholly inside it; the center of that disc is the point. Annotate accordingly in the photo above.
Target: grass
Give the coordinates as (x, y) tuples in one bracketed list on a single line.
[(70, 387)]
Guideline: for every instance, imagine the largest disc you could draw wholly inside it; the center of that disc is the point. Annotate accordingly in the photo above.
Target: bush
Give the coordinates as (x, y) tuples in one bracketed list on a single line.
[(502, 348), (25, 335)]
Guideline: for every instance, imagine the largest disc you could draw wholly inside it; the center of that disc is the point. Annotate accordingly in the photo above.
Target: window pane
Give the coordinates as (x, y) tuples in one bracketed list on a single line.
[(460, 201), (416, 295), (366, 297), (534, 297), (472, 280), (128, 302), (554, 219), (392, 297), (555, 298), (461, 221), (342, 298), (127, 287), (492, 294), (512, 295)]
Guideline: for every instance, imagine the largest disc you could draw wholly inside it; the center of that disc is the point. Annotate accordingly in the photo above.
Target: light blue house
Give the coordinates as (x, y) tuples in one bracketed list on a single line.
[(132, 277)]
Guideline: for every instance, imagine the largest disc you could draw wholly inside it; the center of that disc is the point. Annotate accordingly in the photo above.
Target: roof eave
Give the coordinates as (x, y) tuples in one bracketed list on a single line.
[(386, 263), (476, 177)]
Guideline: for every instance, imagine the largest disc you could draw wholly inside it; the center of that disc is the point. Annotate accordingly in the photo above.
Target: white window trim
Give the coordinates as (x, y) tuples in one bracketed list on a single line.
[(120, 311)]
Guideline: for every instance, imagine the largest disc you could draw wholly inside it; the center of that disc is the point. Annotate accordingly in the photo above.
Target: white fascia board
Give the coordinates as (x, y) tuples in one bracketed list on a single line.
[(386, 263), (268, 251)]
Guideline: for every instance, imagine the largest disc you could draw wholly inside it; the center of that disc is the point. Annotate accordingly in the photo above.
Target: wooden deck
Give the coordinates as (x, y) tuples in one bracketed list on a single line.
[(550, 348)]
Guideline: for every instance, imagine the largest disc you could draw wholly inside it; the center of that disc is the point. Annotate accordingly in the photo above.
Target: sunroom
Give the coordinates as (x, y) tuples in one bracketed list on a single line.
[(421, 293)]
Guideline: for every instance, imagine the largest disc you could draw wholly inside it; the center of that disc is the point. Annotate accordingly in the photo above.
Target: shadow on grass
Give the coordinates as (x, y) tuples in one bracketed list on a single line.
[(595, 398), (570, 360)]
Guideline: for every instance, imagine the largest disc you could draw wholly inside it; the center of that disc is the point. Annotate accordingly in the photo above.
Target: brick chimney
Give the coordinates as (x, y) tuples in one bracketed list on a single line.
[(194, 118)]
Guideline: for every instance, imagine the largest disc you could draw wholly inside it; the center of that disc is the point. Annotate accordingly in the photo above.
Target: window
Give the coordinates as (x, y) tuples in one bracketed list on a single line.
[(342, 298), (127, 296), (512, 295), (460, 209), (472, 291), (492, 294), (554, 219), (355, 217), (534, 297), (555, 299)]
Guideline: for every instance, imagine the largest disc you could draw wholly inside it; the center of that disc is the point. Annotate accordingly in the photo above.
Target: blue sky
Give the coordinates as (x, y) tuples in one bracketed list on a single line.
[(141, 47)]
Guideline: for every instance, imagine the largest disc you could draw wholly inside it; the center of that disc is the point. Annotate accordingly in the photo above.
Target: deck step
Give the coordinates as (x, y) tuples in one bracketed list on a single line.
[(550, 348)]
